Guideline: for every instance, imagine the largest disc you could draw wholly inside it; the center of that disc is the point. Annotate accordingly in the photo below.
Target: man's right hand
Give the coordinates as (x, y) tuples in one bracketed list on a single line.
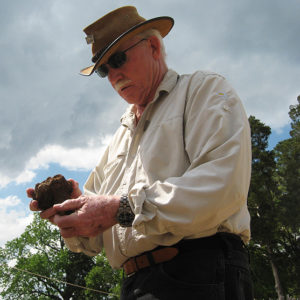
[(33, 205)]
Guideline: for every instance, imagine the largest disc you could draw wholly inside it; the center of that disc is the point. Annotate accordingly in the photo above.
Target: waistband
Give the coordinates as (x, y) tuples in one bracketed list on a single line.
[(222, 240)]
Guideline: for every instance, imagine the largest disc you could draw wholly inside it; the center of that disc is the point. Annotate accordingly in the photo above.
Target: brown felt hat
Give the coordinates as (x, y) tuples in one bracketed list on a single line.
[(116, 27)]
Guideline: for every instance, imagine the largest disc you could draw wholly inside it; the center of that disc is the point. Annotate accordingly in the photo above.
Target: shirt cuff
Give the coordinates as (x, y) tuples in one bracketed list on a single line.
[(89, 246), (144, 210)]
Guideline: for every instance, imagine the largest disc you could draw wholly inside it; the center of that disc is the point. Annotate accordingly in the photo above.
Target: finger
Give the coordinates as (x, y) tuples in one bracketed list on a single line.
[(33, 205), (51, 220), (66, 221), (71, 204), (76, 192), (30, 192), (74, 182), (68, 232), (48, 213)]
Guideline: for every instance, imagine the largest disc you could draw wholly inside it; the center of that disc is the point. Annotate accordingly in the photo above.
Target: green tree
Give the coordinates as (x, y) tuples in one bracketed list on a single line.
[(274, 206), (41, 250), (265, 215), (287, 154), (102, 277), (288, 165)]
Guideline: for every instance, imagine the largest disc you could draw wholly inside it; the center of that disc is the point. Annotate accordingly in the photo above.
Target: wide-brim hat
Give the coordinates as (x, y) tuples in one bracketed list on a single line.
[(116, 27)]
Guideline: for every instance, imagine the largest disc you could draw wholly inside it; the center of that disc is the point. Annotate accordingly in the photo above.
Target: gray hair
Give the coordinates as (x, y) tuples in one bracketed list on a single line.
[(154, 32)]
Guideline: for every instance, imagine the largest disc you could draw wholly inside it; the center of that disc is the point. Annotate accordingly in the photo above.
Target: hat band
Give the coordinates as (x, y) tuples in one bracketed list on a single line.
[(97, 55)]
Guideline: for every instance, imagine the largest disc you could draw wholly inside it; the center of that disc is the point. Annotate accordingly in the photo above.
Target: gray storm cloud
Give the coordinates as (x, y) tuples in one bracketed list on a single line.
[(44, 100)]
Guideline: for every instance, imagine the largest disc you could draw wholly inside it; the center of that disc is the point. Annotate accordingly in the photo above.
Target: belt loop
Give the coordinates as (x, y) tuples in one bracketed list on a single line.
[(136, 263), (150, 258), (248, 253)]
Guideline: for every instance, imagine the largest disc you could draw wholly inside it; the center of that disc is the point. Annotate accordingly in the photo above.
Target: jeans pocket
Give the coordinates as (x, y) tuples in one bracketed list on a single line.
[(195, 275), (196, 267), (181, 289)]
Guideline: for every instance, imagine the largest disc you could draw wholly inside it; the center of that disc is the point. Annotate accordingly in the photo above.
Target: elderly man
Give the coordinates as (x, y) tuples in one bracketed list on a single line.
[(168, 198)]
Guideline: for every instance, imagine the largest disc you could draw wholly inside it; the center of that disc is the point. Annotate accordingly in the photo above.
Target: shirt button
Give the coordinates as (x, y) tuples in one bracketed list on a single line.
[(226, 107)]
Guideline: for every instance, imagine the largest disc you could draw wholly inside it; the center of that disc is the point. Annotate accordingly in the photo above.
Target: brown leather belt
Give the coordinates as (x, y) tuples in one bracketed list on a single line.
[(223, 240), (154, 257)]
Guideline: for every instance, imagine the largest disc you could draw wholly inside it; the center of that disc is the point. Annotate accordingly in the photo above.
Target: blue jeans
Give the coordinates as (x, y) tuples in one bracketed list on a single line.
[(219, 271)]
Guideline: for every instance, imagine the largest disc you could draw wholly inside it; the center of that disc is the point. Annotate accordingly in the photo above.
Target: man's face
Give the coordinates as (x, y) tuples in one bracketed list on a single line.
[(136, 80)]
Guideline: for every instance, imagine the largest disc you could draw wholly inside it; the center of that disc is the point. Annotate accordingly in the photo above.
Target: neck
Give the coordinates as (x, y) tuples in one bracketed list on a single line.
[(140, 109)]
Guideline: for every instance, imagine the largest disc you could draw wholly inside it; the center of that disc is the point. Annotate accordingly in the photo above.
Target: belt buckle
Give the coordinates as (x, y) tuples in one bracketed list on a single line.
[(136, 267), (131, 274)]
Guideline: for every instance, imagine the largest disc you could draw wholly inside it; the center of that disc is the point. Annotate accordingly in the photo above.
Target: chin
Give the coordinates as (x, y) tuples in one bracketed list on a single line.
[(128, 99)]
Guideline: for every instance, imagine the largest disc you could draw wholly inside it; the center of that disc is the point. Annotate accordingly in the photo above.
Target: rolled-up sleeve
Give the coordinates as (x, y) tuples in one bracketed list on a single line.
[(89, 246)]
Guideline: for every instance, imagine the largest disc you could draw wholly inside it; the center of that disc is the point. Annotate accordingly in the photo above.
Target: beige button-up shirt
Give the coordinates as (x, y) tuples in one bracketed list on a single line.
[(186, 167)]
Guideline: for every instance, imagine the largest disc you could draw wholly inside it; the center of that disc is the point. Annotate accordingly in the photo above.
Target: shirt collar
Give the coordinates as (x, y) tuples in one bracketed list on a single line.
[(166, 86), (168, 83)]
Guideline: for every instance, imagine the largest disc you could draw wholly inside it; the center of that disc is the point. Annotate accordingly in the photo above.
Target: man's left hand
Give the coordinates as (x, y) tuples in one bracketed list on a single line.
[(93, 215)]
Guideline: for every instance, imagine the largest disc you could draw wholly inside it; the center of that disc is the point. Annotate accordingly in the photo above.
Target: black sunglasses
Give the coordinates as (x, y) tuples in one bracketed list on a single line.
[(115, 61)]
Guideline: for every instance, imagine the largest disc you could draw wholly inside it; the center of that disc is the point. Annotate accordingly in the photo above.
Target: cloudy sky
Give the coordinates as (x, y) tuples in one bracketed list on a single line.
[(55, 121)]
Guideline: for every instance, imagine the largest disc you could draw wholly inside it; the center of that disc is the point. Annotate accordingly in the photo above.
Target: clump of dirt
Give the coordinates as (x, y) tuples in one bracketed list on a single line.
[(52, 191)]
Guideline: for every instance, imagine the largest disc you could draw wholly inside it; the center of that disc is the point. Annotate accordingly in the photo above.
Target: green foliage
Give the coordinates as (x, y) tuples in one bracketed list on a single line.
[(103, 278), (288, 165), (263, 281), (41, 250), (263, 192), (287, 155), (274, 206), (262, 203), (294, 114)]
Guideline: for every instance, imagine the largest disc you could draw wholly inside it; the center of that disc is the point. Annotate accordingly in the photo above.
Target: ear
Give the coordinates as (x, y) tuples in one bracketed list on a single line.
[(155, 46)]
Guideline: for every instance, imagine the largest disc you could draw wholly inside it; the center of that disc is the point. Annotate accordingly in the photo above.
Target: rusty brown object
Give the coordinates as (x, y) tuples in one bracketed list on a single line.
[(52, 191)]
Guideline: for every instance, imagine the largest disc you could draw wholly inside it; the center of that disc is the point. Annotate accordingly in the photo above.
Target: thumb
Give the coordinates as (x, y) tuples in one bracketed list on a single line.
[(71, 204)]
